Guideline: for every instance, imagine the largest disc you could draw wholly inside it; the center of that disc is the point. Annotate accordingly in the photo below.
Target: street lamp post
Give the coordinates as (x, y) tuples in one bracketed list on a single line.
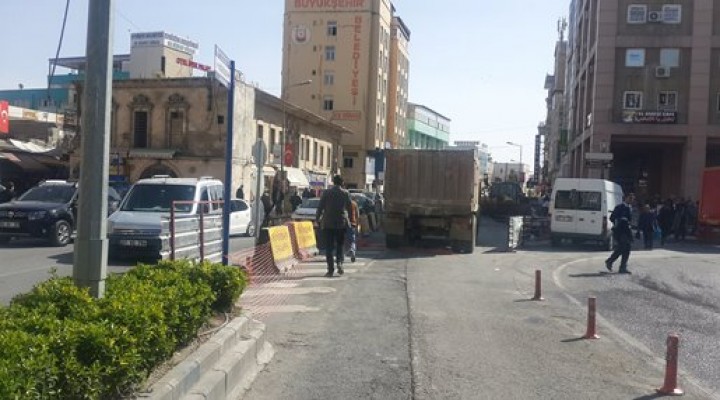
[(519, 146)]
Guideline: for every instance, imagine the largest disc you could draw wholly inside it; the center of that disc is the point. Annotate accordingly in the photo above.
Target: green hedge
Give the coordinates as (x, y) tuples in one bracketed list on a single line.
[(57, 342)]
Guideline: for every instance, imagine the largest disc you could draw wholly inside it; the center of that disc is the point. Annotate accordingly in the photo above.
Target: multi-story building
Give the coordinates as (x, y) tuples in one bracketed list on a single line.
[(427, 128), (178, 127), (643, 83), (554, 129), (398, 84), (344, 49)]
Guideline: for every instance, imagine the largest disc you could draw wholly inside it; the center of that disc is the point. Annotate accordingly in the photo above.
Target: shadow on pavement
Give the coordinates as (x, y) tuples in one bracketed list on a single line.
[(577, 339), (652, 396), (590, 275)]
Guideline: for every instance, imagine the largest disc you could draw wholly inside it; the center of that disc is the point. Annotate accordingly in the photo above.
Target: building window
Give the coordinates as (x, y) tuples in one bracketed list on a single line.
[(140, 129), (315, 153), (637, 14), (322, 156), (177, 128), (272, 137), (328, 103), (307, 149), (632, 100), (330, 53), (670, 57), (259, 131), (672, 13), (667, 101), (332, 28), (302, 149), (329, 78), (635, 57), (329, 156), (348, 161)]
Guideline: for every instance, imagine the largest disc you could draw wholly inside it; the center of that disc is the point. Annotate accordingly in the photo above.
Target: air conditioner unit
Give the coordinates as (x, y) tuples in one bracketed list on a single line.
[(655, 16), (662, 72)]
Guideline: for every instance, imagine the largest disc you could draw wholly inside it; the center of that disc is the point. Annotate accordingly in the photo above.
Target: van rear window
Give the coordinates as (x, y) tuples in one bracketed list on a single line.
[(578, 200)]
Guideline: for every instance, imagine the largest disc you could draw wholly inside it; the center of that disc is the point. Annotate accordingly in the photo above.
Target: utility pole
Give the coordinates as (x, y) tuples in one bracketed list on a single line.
[(90, 263)]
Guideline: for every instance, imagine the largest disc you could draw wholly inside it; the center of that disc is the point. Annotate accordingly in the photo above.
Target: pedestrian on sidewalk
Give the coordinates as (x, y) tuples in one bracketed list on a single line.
[(647, 225), (352, 229), (240, 193), (333, 217), (622, 233), (665, 218)]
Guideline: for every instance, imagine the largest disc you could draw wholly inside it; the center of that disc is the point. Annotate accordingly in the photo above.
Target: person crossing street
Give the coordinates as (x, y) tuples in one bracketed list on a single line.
[(622, 233)]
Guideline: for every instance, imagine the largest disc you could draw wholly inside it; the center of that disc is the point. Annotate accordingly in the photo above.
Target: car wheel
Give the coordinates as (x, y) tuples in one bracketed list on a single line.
[(250, 230), (60, 234)]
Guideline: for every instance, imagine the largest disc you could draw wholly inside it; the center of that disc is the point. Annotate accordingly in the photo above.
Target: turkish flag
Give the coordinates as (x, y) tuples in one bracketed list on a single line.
[(4, 117), (288, 155)]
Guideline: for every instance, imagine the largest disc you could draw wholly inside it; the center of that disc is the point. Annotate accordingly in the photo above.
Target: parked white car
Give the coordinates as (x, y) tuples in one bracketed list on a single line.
[(241, 218)]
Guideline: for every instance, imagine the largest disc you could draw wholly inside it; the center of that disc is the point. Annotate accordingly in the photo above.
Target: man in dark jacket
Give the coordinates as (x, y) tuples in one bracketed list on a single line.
[(622, 234), (332, 214)]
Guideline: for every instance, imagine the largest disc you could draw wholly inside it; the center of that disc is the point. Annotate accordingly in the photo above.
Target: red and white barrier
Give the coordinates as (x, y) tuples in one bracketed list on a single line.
[(591, 333), (538, 287), (670, 387)]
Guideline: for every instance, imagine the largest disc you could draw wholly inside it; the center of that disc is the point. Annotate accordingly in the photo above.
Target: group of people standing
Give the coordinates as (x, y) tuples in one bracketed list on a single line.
[(678, 218), (663, 219)]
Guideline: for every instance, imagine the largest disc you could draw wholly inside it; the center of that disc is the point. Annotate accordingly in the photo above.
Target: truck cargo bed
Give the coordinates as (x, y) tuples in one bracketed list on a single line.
[(431, 182)]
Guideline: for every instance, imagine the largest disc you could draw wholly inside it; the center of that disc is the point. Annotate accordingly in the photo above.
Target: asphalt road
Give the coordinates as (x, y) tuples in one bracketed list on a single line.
[(672, 290), (25, 262), (426, 324)]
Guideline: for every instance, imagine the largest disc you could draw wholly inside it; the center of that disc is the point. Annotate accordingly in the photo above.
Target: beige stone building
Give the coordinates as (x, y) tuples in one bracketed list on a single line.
[(344, 48), (643, 83), (177, 127)]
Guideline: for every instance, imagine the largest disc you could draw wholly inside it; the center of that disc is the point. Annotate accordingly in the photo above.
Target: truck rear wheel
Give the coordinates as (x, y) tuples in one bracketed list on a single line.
[(394, 241)]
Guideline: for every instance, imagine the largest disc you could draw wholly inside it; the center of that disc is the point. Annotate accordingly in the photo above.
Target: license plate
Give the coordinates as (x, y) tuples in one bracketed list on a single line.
[(563, 218), (134, 243), (9, 224)]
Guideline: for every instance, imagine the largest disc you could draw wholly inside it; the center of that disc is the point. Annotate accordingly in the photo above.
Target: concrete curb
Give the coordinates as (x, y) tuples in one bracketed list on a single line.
[(221, 368)]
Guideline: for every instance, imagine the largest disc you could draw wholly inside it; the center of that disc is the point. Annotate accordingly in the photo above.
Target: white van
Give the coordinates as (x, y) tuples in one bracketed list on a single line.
[(580, 210), (134, 229)]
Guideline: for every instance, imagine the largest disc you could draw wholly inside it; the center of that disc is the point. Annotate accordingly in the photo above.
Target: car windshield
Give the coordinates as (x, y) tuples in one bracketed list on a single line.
[(49, 194), (158, 198), (310, 203)]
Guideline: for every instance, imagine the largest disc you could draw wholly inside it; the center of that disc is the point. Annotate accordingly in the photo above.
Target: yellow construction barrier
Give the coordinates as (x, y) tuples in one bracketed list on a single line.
[(305, 235), (281, 246)]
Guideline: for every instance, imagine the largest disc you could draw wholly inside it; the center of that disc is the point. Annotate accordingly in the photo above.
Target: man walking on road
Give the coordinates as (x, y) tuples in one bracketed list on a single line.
[(332, 216), (621, 217)]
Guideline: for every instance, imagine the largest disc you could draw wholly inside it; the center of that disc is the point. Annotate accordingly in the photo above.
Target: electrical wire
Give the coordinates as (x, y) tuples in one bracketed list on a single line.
[(57, 52)]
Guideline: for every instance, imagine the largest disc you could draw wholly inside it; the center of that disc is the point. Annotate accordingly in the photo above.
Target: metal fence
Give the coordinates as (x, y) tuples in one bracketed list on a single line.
[(196, 237)]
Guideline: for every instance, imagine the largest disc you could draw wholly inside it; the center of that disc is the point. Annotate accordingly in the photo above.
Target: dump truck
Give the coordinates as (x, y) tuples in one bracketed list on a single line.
[(431, 193)]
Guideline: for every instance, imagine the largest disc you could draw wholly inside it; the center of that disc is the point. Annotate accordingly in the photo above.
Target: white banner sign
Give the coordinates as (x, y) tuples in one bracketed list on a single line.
[(222, 66)]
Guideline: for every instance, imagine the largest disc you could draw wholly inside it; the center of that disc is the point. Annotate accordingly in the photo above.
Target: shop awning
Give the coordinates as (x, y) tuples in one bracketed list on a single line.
[(297, 177), (25, 161)]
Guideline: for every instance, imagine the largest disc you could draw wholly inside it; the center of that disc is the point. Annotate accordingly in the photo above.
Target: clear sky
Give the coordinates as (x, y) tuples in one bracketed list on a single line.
[(481, 63)]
